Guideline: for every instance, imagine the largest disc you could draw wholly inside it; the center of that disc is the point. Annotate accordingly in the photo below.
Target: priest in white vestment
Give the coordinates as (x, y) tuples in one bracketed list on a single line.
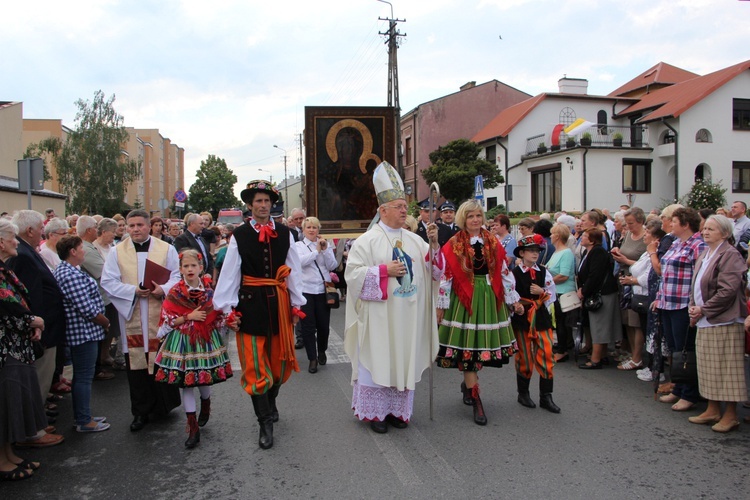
[(391, 327), (139, 311)]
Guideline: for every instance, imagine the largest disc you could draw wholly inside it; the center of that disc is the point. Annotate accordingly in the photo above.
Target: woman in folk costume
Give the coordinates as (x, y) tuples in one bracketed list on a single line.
[(391, 328), (533, 328), (193, 353), (473, 304)]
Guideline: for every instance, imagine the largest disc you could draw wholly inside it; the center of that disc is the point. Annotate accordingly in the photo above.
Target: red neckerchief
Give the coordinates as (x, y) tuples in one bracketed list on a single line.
[(531, 271), (266, 232), (180, 302), (459, 260)]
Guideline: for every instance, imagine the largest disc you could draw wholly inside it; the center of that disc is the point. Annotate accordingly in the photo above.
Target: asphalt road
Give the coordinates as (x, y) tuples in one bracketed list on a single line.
[(611, 440)]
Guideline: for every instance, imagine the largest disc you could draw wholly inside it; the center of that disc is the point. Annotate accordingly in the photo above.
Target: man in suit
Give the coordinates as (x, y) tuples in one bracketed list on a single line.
[(295, 222), (191, 238), (444, 233), (45, 300), (448, 214)]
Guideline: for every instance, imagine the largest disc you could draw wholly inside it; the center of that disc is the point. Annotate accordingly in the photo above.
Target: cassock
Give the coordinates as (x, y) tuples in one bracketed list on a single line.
[(139, 319), (391, 331)]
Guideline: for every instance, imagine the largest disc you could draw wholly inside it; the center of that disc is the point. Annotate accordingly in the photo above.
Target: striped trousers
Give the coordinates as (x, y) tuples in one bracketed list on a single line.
[(260, 372), (534, 349)]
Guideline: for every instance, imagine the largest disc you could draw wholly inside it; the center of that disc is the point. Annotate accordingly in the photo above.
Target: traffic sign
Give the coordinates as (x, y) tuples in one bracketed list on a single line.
[(179, 204), (180, 195), (163, 204), (479, 187)]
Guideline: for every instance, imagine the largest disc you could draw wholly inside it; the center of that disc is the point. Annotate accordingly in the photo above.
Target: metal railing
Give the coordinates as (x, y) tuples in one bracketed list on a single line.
[(635, 136)]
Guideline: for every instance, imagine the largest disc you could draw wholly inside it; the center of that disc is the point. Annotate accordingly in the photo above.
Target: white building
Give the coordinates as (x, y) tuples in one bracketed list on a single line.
[(666, 116)]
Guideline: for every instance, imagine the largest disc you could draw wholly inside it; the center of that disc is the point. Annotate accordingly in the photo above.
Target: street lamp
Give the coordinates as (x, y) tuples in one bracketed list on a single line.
[(270, 175), (286, 181)]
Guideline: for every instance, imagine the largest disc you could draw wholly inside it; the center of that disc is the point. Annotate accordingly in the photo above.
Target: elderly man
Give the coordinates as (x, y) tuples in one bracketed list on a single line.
[(45, 300), (295, 222), (261, 279), (391, 326), (741, 221), (193, 238), (139, 307), (93, 263)]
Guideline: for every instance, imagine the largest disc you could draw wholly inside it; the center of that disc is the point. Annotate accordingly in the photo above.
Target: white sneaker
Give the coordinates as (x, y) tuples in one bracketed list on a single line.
[(645, 375)]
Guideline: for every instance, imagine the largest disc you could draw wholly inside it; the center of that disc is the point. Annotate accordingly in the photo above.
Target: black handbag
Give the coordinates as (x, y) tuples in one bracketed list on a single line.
[(332, 296), (593, 302), (639, 303), (684, 368)]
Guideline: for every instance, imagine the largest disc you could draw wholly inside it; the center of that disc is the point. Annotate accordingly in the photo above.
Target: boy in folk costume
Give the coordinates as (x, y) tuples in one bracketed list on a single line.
[(261, 279), (533, 328)]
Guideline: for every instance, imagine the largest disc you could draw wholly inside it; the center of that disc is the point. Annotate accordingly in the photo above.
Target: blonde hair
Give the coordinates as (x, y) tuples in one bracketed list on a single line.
[(562, 231), (464, 210), (411, 223), (311, 220), (191, 252)]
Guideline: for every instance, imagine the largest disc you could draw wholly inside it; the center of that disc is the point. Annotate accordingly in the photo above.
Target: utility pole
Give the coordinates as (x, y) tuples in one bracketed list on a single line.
[(286, 183), (392, 39)]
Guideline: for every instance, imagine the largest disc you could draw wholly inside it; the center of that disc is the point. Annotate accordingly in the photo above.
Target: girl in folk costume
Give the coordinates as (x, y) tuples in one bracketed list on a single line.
[(193, 353), (533, 328), (473, 304)]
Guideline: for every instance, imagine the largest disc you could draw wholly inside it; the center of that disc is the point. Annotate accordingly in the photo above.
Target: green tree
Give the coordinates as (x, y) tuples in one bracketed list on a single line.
[(454, 167), (46, 149), (705, 194), (91, 168), (214, 187)]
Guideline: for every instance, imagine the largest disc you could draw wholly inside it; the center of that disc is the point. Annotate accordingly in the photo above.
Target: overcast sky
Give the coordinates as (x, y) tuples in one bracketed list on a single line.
[(232, 78)]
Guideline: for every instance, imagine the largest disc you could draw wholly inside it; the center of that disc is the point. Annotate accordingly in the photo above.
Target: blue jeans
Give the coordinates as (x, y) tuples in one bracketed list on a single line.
[(84, 358), (675, 324)]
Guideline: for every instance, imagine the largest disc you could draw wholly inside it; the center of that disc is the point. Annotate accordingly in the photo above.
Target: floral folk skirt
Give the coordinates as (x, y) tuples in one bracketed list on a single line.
[(472, 341), (191, 364)]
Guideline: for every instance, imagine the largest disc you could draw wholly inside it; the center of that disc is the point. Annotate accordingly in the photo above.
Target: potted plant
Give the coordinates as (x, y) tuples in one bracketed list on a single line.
[(541, 148), (586, 139), (554, 147), (617, 139), (570, 142)]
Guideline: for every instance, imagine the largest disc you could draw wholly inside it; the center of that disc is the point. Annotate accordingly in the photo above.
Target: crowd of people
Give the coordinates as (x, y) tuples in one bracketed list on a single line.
[(449, 288)]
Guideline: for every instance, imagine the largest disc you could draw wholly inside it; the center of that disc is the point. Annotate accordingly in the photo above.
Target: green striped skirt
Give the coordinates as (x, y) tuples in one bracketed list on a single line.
[(485, 338), (186, 364)]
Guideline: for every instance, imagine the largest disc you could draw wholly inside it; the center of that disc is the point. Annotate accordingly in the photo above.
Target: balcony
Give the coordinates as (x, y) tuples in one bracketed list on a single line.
[(601, 137)]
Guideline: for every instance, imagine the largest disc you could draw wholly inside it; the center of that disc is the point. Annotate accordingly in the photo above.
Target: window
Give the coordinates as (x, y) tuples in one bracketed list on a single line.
[(546, 190), (741, 176), (567, 116), (741, 114), (601, 122), (490, 153), (636, 176), (703, 135), (491, 202), (408, 151)]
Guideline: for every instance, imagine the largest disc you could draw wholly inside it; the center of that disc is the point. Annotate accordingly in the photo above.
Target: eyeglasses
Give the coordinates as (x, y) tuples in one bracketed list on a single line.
[(60, 233), (298, 218), (400, 206)]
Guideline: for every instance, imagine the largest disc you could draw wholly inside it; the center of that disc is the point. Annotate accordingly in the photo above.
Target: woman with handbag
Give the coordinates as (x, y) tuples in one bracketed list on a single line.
[(562, 266), (677, 268), (317, 260), (632, 247), (598, 291), (717, 307)]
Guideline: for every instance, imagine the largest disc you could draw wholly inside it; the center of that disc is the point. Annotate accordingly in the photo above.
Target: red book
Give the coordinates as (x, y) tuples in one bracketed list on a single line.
[(155, 273)]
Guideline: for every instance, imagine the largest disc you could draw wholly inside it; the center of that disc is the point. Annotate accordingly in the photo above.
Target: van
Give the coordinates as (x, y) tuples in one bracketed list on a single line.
[(230, 216)]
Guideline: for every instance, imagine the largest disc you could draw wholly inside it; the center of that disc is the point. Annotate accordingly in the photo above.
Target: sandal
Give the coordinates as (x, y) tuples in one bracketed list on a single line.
[(61, 387), (16, 474), (682, 405), (28, 464), (630, 365), (669, 399)]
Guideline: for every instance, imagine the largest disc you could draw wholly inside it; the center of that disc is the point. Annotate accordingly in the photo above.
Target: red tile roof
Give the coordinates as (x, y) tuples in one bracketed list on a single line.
[(503, 123), (672, 101), (661, 74)]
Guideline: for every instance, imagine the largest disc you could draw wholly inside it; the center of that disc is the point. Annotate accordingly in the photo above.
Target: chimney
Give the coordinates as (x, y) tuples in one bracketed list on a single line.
[(578, 86), (468, 85)]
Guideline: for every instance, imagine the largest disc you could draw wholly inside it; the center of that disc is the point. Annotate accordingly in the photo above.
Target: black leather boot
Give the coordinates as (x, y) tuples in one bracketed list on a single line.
[(523, 391), (194, 432), (272, 394), (468, 400), (265, 420), (205, 412), (545, 395), (479, 417)]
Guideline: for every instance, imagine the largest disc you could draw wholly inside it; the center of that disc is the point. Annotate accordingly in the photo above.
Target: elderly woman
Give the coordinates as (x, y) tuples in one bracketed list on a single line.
[(562, 266), (677, 268), (21, 407), (595, 276), (157, 230), (473, 314), (317, 261), (632, 247), (54, 230), (106, 231), (717, 307), (502, 231), (85, 324)]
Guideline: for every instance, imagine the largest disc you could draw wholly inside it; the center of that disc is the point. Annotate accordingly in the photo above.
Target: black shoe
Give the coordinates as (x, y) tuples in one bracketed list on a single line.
[(322, 359), (205, 412), (525, 400), (590, 366), (262, 407), (313, 366), (138, 423), (563, 359), (379, 427), (299, 344), (396, 422), (272, 395), (468, 400), (523, 391), (545, 395), (479, 417)]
